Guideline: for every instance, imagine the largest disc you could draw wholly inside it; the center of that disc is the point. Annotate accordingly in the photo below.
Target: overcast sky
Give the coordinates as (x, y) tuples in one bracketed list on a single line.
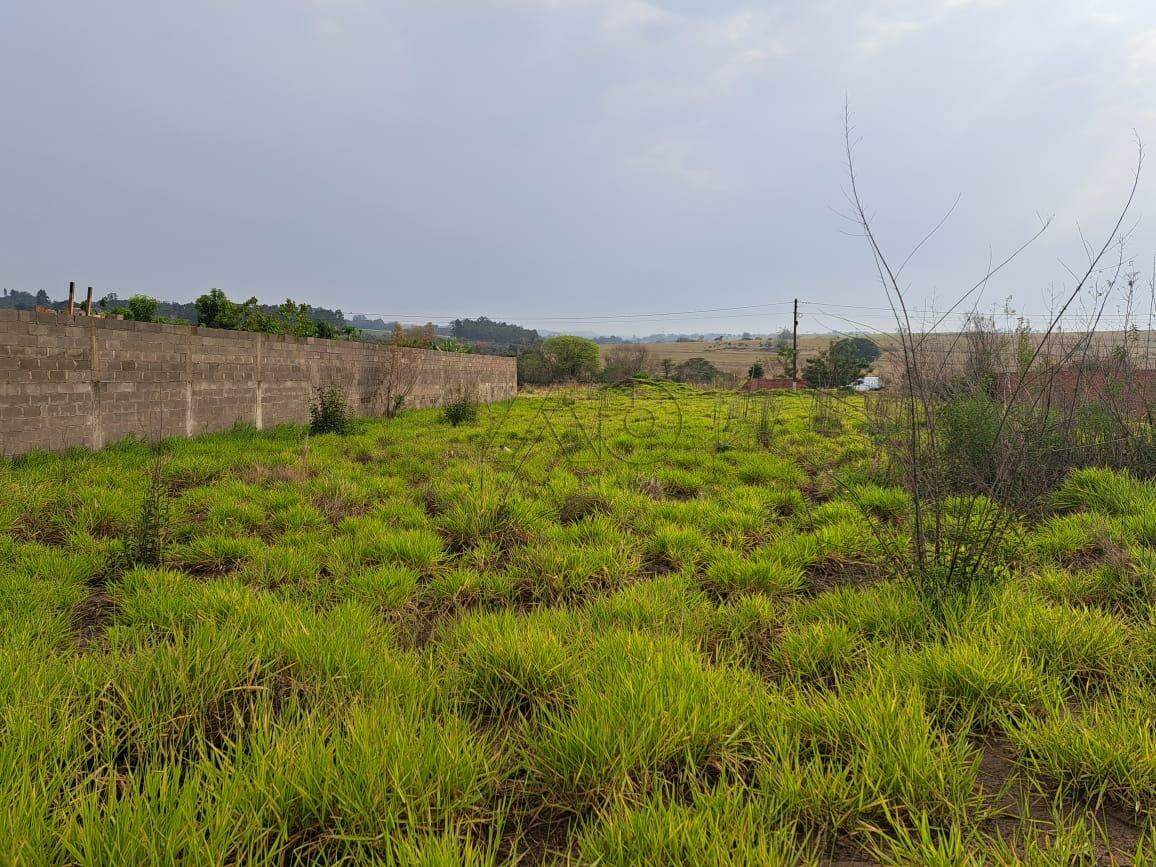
[(544, 159)]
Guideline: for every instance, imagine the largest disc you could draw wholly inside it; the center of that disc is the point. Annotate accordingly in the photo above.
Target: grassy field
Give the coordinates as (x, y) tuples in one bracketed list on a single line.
[(596, 627)]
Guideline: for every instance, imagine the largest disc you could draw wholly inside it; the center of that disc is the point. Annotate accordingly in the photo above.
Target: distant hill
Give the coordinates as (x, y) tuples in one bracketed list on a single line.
[(498, 337)]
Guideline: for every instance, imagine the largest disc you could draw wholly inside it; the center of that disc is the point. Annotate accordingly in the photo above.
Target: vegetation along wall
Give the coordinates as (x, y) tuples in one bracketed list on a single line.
[(88, 381)]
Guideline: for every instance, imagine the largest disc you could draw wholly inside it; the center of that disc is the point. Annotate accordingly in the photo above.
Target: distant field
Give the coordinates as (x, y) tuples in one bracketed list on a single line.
[(733, 356), (736, 356)]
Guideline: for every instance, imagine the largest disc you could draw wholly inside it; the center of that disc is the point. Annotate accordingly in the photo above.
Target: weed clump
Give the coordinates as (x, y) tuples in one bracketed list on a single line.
[(329, 411), (462, 409), (481, 517), (146, 546), (145, 541), (509, 668)]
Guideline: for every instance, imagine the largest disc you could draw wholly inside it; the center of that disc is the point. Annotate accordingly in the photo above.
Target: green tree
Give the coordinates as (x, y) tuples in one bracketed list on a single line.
[(696, 370), (785, 352), (329, 331), (215, 310), (496, 334), (534, 368), (571, 358), (141, 308), (755, 371), (452, 344), (293, 318), (862, 349), (834, 367)]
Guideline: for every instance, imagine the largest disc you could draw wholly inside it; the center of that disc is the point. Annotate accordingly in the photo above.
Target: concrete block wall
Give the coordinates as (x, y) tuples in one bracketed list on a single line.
[(85, 381)]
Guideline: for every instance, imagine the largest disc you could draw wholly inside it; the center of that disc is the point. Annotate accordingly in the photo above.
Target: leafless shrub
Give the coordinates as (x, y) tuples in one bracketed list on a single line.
[(827, 411), (400, 372), (983, 423), (766, 420), (624, 361)]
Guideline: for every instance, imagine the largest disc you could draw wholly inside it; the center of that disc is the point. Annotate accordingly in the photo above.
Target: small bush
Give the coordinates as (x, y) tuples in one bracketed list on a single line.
[(329, 411), (462, 409), (146, 545), (143, 544), (970, 433), (482, 516)]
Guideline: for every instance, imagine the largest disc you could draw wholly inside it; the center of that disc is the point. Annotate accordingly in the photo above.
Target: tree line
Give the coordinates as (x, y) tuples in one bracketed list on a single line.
[(213, 309)]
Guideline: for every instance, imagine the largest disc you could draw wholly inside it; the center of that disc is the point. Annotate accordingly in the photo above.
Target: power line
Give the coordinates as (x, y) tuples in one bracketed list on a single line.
[(580, 318), (820, 307)]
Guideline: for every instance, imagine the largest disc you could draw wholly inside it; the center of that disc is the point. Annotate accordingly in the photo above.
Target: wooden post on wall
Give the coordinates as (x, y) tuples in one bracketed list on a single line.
[(88, 303), (71, 297)]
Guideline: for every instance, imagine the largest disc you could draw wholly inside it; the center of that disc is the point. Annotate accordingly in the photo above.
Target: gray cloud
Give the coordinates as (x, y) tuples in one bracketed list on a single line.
[(541, 159)]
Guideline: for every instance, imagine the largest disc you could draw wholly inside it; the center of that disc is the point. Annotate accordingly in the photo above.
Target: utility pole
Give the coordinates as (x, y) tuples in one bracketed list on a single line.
[(795, 347)]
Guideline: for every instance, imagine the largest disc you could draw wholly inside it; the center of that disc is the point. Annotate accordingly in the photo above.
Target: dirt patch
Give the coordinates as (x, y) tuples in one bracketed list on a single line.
[(1102, 552), (830, 573), (215, 567), (284, 474), (844, 850), (814, 494), (675, 491), (309, 844), (1018, 802), (540, 837), (41, 529), (536, 831), (336, 508), (419, 622), (429, 501), (232, 713), (655, 564), (581, 505), (176, 483), (651, 487), (221, 723), (90, 618)]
